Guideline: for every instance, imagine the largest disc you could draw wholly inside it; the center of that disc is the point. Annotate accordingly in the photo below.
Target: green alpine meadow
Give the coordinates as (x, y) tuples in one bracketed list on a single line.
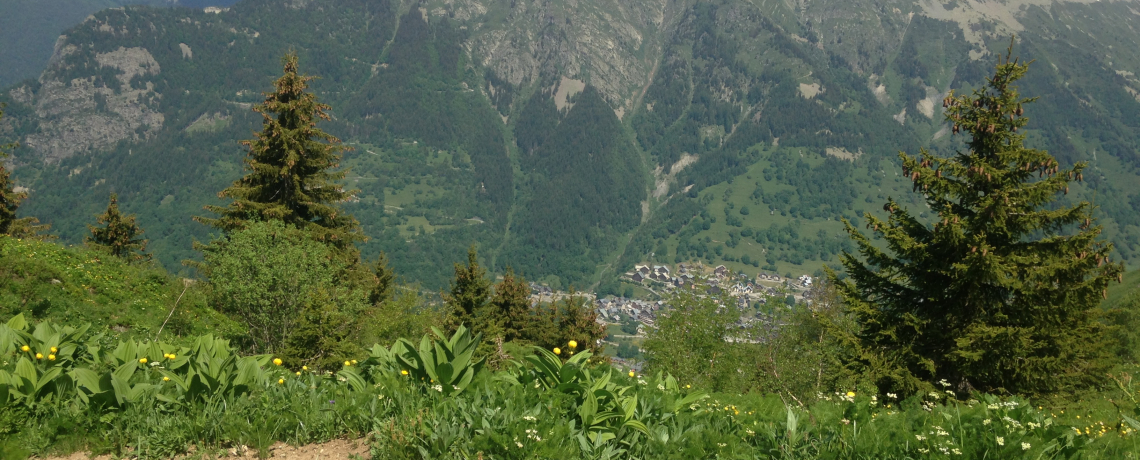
[(870, 229)]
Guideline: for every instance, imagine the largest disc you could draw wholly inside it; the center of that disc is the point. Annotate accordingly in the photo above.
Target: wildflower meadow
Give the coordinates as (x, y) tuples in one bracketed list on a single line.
[(64, 391)]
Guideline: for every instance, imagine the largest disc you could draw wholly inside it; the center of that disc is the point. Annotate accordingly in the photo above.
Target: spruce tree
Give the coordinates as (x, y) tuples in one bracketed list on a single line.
[(288, 169), (509, 312), (469, 292), (1001, 292), (119, 234), (10, 199), (385, 281), (572, 318)]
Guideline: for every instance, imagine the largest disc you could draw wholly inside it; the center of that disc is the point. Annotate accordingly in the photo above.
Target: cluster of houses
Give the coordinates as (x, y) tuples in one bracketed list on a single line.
[(715, 281), (718, 280), (616, 309)]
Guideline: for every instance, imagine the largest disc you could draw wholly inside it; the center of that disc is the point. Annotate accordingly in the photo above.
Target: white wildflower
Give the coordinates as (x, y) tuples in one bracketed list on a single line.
[(1025, 446), (1000, 441)]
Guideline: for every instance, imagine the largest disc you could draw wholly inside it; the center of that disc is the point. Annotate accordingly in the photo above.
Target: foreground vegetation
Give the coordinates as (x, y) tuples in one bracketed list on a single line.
[(66, 392)]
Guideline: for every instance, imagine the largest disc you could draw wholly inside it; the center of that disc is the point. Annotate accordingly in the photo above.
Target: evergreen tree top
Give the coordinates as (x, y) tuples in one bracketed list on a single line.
[(119, 234), (1000, 292), (289, 165)]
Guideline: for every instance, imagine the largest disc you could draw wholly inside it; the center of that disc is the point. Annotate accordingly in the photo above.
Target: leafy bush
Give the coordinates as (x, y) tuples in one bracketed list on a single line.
[(273, 277)]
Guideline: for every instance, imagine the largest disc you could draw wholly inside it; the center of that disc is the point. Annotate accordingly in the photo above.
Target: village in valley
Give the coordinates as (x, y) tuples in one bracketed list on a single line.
[(627, 317)]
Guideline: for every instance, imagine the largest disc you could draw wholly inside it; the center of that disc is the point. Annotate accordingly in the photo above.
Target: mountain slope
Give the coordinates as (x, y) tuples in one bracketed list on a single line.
[(29, 29), (571, 139)]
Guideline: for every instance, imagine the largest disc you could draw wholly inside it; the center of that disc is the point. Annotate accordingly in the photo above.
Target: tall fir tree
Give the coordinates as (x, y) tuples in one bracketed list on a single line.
[(10, 199), (118, 234), (1001, 293), (289, 169), (469, 292)]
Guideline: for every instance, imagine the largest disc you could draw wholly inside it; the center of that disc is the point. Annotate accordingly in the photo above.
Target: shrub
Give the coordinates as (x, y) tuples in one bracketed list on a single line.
[(273, 277)]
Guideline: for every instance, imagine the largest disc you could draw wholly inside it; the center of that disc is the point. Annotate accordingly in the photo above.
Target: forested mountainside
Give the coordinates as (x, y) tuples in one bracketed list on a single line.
[(572, 139)]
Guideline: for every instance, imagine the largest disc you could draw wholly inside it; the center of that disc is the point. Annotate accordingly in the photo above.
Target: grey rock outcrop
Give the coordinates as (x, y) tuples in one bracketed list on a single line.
[(86, 114)]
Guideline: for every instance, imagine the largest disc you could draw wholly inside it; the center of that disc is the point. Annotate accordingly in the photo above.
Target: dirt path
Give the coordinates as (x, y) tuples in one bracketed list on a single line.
[(336, 449)]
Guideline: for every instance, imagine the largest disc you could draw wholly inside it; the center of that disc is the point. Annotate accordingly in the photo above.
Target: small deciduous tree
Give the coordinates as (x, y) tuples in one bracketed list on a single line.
[(274, 278), (118, 234), (1001, 292), (693, 340), (289, 170)]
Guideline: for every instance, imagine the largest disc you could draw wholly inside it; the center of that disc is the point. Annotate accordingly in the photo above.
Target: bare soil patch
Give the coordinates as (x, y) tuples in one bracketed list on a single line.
[(335, 449)]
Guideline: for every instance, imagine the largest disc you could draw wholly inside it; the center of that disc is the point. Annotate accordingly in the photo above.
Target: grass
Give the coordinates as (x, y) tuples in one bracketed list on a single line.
[(1118, 292), (507, 414), (75, 285)]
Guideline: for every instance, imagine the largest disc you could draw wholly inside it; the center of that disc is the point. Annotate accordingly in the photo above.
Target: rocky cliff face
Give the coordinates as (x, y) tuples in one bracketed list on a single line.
[(612, 44), (615, 46), (88, 113)]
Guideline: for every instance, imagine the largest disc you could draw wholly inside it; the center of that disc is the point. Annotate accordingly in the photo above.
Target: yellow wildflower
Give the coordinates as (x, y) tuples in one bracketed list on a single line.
[(404, 372), (347, 363), (631, 374), (280, 381), (304, 368), (354, 362), (850, 394), (142, 360), (165, 379), (39, 356), (557, 351), (51, 357), (53, 349), (276, 361), (25, 348), (298, 373), (573, 344)]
